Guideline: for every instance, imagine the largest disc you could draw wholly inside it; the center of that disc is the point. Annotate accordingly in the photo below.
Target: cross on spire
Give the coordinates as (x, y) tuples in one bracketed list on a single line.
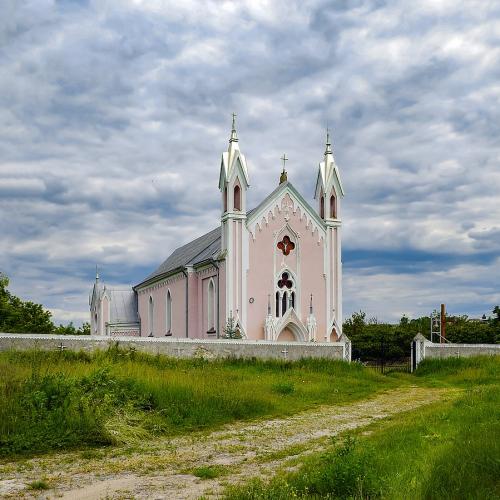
[(284, 159), (328, 149), (234, 137), (283, 176)]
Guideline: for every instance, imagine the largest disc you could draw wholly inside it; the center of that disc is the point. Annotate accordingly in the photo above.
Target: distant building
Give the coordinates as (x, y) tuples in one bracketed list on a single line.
[(113, 311), (275, 270)]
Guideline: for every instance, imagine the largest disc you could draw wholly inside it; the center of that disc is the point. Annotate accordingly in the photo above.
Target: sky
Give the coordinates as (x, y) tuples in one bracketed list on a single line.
[(114, 115)]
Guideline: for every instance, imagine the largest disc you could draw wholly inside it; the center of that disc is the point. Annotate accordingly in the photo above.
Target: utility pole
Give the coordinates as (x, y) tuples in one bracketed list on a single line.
[(442, 338)]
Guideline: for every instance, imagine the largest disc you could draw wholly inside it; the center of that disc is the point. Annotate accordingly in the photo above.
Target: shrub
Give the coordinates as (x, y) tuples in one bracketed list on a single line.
[(284, 388), (41, 484), (209, 471)]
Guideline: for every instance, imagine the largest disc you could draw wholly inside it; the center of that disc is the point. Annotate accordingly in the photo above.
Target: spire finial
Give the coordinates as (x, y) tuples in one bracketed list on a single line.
[(96, 273), (328, 149), (234, 137), (284, 175)]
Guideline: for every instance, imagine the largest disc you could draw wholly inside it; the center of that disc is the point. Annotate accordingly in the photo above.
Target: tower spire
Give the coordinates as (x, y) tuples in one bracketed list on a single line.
[(234, 137)]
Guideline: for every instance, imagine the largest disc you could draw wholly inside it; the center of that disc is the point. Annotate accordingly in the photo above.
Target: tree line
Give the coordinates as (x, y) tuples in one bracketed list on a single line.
[(373, 340), (370, 338), (24, 316)]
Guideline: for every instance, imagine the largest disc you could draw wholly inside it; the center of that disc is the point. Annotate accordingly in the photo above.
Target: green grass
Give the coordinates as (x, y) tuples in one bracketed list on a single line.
[(209, 471), (460, 372), (41, 484), (447, 450), (54, 400)]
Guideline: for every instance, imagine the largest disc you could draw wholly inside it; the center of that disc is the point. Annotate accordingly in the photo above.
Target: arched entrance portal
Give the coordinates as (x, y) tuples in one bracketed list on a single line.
[(286, 335), (292, 332)]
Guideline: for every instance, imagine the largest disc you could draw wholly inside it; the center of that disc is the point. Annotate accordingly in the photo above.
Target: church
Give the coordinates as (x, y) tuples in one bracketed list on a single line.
[(272, 273)]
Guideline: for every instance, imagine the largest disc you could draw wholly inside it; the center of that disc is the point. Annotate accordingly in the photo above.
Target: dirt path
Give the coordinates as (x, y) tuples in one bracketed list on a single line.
[(164, 469)]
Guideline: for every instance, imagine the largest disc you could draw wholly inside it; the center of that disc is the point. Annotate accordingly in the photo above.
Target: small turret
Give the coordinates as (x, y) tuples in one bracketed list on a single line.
[(233, 178), (328, 185)]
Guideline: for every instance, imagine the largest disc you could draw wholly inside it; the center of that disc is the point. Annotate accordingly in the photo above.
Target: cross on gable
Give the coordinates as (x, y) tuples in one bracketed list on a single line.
[(284, 159)]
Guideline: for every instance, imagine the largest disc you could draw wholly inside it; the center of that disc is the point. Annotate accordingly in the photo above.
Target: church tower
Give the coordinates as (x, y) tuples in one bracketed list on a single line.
[(234, 184), (329, 193)]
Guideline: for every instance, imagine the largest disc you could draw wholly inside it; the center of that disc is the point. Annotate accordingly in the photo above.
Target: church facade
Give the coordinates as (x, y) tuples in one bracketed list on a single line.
[(270, 273)]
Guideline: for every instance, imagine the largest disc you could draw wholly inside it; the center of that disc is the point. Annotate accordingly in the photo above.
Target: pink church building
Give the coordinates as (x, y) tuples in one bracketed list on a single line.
[(274, 271)]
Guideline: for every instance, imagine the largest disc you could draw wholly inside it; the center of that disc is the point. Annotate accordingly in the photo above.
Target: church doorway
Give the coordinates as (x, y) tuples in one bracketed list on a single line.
[(286, 335), (292, 333)]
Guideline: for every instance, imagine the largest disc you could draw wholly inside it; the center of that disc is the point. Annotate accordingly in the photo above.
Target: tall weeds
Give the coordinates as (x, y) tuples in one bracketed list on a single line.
[(54, 400)]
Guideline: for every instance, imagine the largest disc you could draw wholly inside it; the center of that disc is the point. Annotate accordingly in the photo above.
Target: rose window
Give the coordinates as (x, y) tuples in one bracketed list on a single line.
[(286, 245)]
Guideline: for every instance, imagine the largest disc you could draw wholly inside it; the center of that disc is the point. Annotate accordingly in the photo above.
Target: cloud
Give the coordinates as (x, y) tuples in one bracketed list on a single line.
[(113, 116)]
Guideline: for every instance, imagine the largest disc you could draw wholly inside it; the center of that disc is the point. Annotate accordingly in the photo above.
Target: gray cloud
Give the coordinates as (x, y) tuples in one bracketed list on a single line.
[(113, 116)]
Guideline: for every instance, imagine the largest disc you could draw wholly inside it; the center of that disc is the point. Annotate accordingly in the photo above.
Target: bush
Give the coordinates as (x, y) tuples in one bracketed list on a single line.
[(345, 472), (53, 411), (284, 388)]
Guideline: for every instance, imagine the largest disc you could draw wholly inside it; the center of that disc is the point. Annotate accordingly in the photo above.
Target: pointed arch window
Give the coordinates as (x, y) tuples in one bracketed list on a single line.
[(322, 207), (284, 303), (285, 294), (211, 307), (333, 207), (168, 314), (225, 199), (150, 316), (237, 198)]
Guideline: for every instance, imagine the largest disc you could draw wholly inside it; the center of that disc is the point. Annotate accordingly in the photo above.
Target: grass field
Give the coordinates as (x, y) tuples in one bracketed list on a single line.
[(447, 450), (56, 401)]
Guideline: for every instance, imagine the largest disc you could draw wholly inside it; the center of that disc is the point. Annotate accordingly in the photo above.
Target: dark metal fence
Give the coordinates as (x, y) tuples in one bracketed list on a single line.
[(382, 367)]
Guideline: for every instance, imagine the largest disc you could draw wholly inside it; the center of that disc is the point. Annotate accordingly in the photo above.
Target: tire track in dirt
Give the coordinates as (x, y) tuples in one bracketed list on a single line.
[(161, 470)]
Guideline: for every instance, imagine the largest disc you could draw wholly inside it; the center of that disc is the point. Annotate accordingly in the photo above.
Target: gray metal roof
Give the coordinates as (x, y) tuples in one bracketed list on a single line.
[(199, 250), (123, 305)]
